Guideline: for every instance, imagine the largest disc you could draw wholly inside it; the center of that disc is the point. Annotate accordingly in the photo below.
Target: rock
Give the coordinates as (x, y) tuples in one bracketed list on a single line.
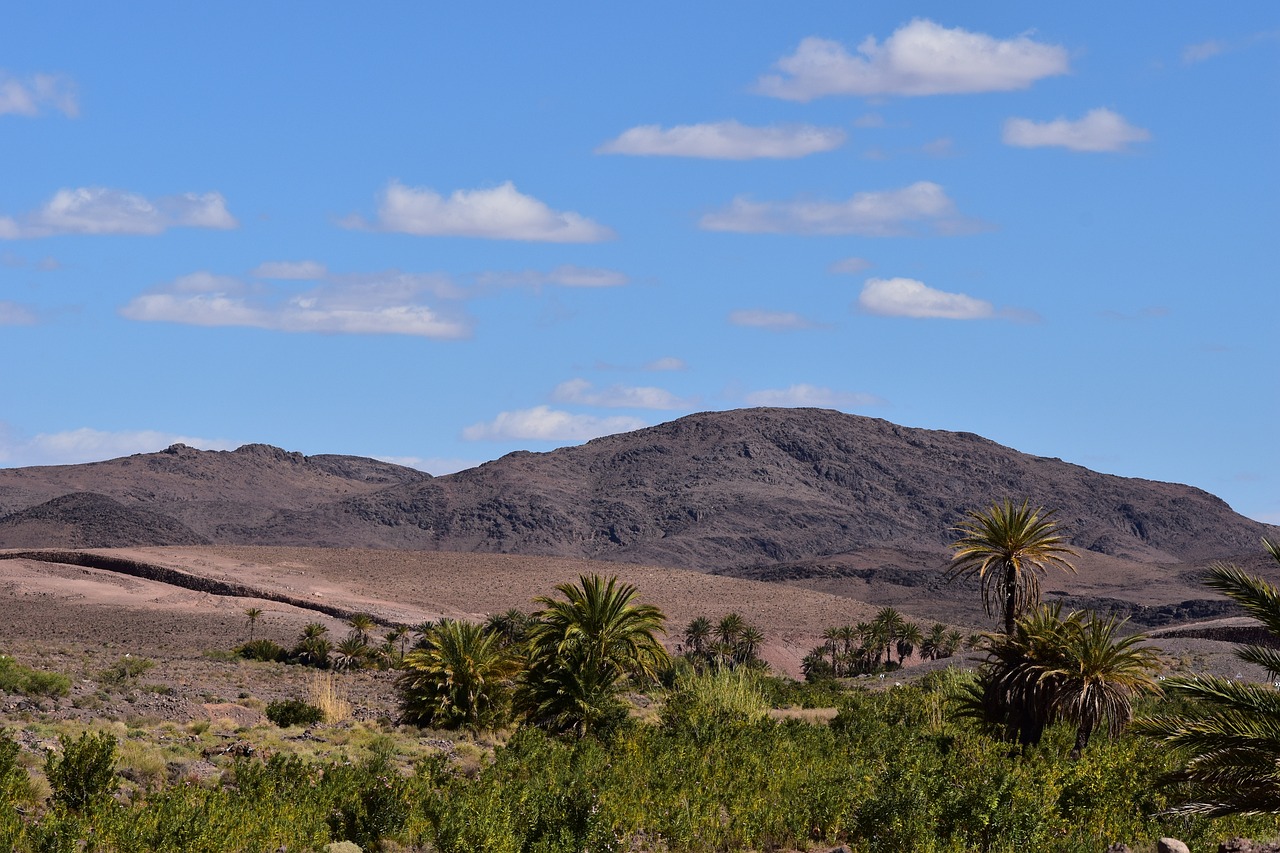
[(1119, 848), (1244, 845), (1171, 845)]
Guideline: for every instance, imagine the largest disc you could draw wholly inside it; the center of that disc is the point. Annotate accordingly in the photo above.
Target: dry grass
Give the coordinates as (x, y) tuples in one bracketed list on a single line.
[(326, 694)]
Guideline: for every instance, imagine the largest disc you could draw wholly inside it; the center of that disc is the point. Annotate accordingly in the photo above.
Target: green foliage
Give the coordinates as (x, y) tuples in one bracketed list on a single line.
[(125, 671), (264, 650), (84, 774), (1006, 547), (703, 702), (457, 677), (1232, 742), (16, 678), (581, 647), (293, 712)]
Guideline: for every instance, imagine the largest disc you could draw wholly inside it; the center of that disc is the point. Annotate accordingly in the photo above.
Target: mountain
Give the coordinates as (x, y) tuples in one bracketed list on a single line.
[(202, 490), (89, 520), (755, 487), (717, 491)]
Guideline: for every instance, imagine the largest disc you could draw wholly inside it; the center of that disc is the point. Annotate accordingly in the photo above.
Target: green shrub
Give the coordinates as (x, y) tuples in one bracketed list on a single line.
[(293, 712), (16, 678), (85, 773), (125, 671), (264, 650)]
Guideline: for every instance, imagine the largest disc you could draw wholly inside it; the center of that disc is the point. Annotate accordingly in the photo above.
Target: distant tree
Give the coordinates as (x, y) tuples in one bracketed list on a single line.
[(935, 642), (728, 629), (750, 640), (313, 646), (909, 638), (350, 653), (697, 637), (1006, 547), (887, 625), (252, 614), (510, 626), (362, 625)]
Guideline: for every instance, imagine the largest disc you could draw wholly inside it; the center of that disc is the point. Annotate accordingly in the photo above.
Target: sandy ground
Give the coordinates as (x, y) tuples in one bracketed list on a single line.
[(80, 621)]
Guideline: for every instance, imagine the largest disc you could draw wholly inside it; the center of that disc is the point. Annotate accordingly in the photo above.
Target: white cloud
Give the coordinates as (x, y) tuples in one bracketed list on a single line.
[(618, 396), (91, 445), (13, 314), (1194, 53), (775, 320), (906, 297), (303, 270), (99, 210), (31, 95), (884, 213), (500, 213), (543, 423), (669, 362), (920, 58), (812, 395), (1099, 130), (565, 275), (726, 140), (850, 266), (385, 304), (869, 120)]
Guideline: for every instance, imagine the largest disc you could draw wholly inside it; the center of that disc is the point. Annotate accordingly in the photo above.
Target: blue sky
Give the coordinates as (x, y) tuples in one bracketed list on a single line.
[(438, 233)]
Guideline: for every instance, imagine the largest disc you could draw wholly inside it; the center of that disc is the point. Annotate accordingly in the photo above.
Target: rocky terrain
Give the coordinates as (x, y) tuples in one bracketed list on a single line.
[(834, 503)]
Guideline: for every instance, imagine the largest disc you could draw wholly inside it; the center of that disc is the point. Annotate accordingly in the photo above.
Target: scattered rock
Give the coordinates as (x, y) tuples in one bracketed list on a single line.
[(1244, 845), (1171, 845)]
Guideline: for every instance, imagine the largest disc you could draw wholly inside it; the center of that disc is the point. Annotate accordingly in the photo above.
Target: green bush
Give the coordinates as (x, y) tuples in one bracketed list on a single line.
[(125, 671), (293, 712), (16, 678), (264, 650), (85, 773)]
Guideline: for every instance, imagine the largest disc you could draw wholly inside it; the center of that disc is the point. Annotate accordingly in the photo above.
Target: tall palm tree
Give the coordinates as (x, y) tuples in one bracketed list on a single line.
[(750, 639), (935, 642), (510, 626), (1006, 547), (581, 647), (889, 624), (729, 627), (459, 677), (1234, 743), (252, 614)]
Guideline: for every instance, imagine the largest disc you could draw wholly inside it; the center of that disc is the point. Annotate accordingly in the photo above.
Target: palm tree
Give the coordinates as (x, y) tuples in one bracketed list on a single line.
[(1234, 743), (510, 626), (350, 653), (459, 677), (1052, 668), (750, 639), (696, 637), (909, 639), (729, 628), (252, 614), (581, 647), (935, 642), (888, 625), (362, 625), (1006, 546)]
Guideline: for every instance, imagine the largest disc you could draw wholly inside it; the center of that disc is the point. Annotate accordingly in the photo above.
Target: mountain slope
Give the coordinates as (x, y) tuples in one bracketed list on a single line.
[(758, 486)]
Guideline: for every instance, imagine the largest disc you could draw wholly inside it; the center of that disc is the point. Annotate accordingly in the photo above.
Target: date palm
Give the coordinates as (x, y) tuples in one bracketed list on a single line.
[(1051, 668), (362, 625), (252, 615), (697, 636), (459, 676), (581, 647), (1234, 745), (1007, 547)]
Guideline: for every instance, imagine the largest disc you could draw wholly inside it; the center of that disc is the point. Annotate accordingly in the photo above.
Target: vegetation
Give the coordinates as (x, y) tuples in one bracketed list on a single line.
[(1052, 668), (726, 763), (1232, 740), (16, 678), (1006, 547), (293, 712), (581, 648), (458, 677)]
